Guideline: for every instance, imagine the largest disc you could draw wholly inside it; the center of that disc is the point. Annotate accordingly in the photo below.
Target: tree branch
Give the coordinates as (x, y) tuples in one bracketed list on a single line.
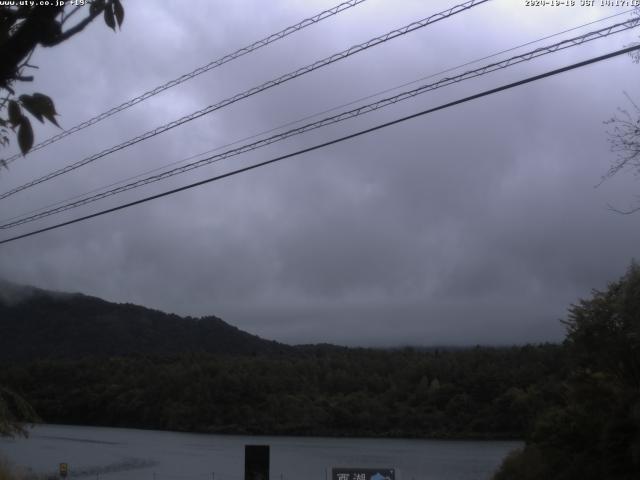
[(623, 212), (31, 32), (77, 28)]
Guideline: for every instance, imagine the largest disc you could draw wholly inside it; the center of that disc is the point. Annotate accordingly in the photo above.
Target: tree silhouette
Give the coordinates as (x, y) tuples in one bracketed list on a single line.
[(624, 138), (594, 431), (22, 29)]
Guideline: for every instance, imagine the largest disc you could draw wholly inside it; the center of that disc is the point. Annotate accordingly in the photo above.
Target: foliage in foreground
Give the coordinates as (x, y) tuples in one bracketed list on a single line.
[(15, 412), (594, 433), (25, 26), (9, 472)]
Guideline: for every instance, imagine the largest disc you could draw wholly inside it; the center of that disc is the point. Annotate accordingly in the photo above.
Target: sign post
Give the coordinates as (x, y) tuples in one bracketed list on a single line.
[(256, 462)]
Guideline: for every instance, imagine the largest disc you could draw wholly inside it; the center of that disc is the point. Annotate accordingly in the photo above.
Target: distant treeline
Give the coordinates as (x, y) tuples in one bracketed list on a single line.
[(471, 393)]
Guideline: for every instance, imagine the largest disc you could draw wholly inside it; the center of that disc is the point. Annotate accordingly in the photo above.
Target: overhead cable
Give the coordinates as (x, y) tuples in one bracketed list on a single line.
[(371, 107), (260, 88), (309, 117), (485, 93), (198, 71)]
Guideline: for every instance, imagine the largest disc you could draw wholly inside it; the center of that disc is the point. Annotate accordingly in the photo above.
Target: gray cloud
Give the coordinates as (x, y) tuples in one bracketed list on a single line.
[(478, 224)]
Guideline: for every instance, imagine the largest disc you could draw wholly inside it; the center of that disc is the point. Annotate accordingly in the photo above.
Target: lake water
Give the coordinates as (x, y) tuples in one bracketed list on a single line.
[(124, 454)]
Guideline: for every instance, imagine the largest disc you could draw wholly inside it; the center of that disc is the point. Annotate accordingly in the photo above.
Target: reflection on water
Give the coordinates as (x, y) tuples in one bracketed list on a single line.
[(124, 454)]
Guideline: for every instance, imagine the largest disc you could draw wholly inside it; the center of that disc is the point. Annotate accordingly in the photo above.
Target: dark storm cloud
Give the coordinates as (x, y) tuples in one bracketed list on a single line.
[(478, 224)]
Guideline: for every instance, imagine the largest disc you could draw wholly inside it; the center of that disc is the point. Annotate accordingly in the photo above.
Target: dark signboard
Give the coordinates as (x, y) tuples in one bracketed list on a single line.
[(256, 462), (363, 474)]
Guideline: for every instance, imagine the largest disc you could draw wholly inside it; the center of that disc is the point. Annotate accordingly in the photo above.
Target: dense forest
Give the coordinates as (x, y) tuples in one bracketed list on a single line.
[(479, 392)]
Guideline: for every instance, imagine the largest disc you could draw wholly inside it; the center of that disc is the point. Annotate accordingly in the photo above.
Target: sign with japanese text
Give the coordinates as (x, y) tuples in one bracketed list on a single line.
[(363, 474)]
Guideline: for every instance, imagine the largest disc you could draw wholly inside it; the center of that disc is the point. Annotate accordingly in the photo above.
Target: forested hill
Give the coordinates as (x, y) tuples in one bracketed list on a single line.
[(39, 324), (82, 360)]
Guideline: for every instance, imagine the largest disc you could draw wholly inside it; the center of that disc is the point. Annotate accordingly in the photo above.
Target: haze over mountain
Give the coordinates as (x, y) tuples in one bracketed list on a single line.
[(36, 323)]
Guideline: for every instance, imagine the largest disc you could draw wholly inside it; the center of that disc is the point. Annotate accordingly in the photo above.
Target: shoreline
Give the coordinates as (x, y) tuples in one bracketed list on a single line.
[(327, 436)]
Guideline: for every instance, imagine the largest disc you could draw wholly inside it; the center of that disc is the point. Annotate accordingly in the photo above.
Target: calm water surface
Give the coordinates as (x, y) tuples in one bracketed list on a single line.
[(124, 454)]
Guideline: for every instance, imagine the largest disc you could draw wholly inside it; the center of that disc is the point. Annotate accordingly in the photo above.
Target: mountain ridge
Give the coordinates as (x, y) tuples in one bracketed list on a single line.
[(43, 324)]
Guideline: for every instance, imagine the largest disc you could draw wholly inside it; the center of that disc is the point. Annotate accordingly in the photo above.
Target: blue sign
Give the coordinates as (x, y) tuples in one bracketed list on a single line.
[(363, 474)]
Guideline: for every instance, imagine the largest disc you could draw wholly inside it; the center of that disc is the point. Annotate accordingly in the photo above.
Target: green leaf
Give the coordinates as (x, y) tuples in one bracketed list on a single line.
[(25, 135), (15, 115), (109, 19), (118, 9), (44, 106), (31, 106)]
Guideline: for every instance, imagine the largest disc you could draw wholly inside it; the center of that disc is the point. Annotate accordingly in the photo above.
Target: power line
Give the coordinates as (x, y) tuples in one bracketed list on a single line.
[(308, 117), (271, 83), (533, 54), (332, 142), (198, 71)]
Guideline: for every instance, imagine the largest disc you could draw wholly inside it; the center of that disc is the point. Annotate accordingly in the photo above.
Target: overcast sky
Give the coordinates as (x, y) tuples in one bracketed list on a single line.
[(476, 224)]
